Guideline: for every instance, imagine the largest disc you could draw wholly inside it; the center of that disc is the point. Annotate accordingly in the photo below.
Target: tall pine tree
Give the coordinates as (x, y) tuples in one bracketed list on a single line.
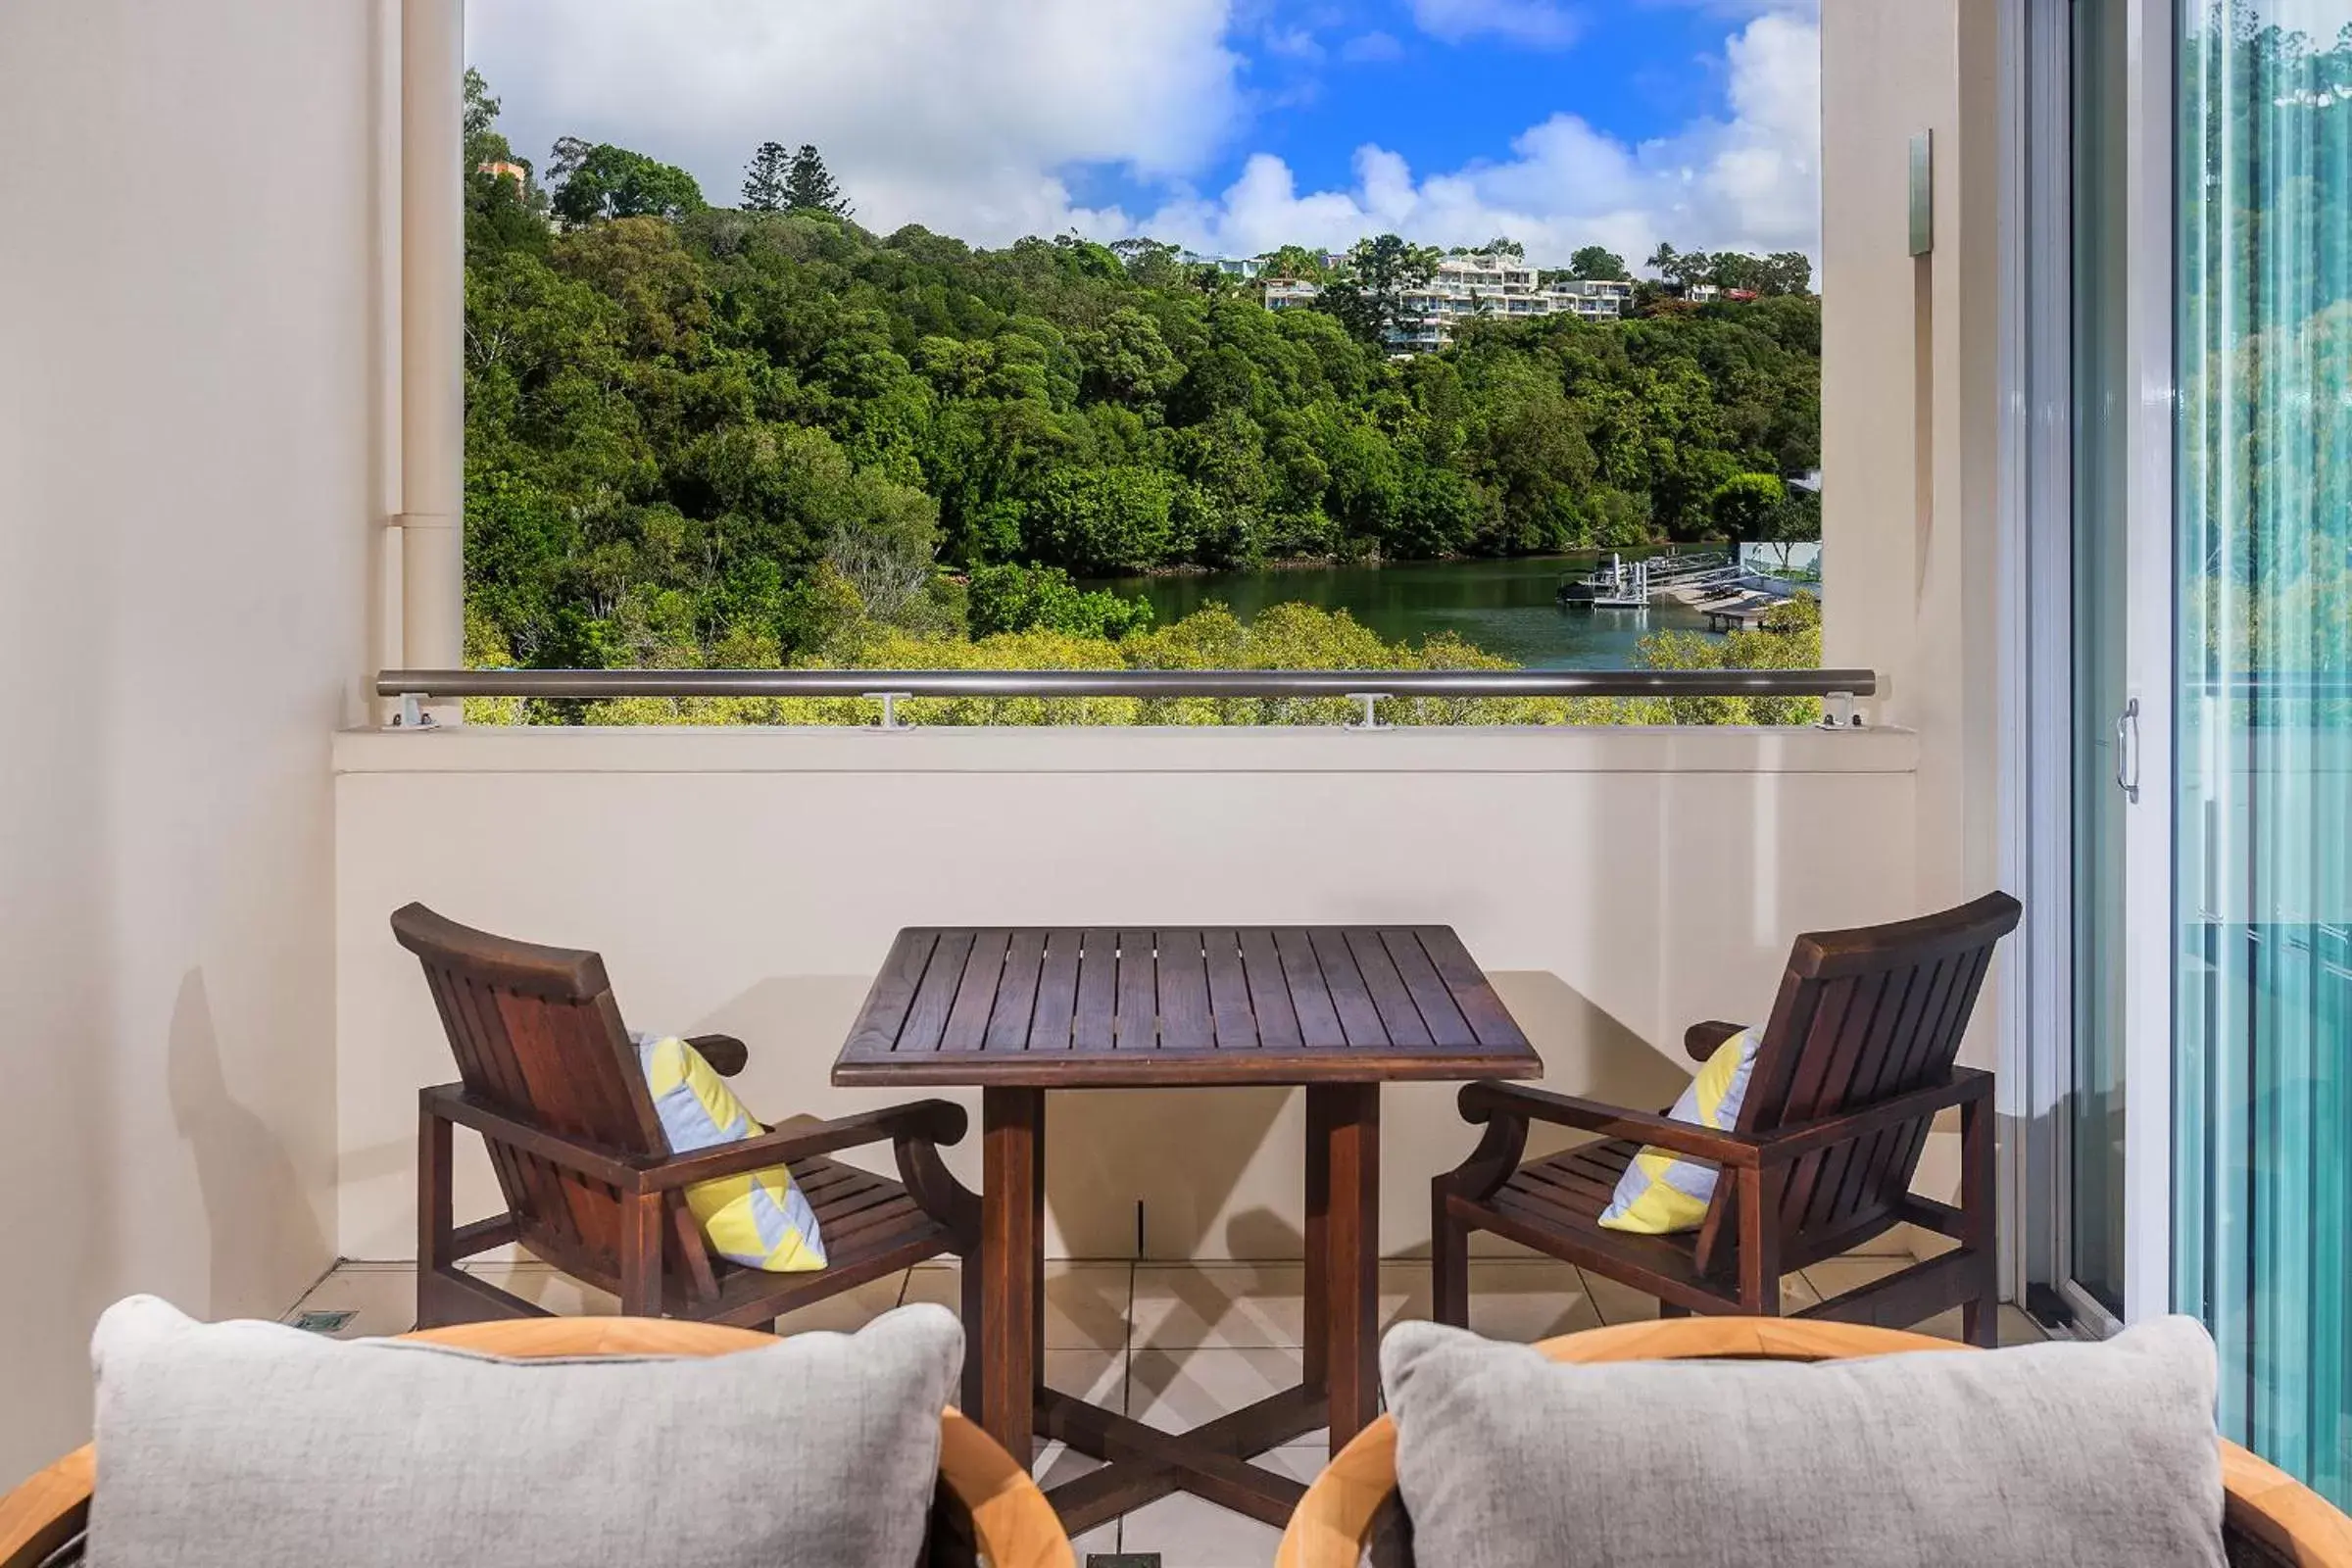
[(764, 188), (809, 187)]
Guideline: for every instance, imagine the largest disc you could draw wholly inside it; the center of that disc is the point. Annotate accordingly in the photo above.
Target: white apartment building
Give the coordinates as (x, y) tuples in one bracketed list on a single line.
[(1245, 267), (1290, 294), (1472, 286)]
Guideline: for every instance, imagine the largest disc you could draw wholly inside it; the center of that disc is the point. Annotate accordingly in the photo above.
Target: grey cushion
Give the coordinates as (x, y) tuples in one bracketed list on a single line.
[(261, 1446), (2084, 1454)]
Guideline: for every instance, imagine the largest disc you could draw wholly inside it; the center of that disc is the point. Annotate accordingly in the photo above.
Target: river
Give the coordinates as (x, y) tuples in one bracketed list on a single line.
[(1507, 607)]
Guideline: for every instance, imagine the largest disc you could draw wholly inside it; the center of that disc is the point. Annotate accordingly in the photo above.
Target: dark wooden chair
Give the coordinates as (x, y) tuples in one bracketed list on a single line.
[(1856, 1060), (551, 1084)]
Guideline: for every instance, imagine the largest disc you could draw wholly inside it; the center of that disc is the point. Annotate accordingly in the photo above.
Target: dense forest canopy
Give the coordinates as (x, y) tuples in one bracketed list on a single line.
[(702, 435)]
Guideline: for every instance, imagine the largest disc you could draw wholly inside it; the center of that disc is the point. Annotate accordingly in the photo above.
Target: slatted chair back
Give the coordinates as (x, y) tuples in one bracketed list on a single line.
[(1862, 1015), (539, 1039)]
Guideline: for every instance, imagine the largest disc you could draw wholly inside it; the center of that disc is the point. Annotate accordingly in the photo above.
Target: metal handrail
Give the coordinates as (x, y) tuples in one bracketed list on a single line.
[(593, 685)]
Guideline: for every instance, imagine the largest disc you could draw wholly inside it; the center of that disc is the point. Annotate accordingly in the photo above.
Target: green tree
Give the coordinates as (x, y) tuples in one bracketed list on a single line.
[(565, 159), (1150, 263), (608, 181), (502, 212), (1744, 507), (1737, 270), (809, 187), (1788, 272), (483, 143), (1295, 262), (1594, 262), (763, 184), (1684, 268), (1368, 299), (1018, 599), (1102, 519)]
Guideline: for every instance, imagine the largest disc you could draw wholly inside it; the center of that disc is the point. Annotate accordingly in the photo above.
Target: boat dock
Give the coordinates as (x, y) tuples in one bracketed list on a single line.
[(1731, 597)]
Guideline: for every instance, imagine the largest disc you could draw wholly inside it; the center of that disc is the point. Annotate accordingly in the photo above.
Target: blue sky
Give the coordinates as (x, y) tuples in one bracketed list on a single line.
[(1328, 77), (1226, 124)]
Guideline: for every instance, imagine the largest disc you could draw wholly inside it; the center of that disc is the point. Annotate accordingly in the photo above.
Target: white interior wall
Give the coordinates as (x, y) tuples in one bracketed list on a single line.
[(1619, 884), (1911, 412), (186, 484)]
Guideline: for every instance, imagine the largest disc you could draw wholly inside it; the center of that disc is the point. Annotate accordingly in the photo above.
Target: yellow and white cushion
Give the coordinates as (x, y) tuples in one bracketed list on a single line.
[(1661, 1193), (760, 1220)]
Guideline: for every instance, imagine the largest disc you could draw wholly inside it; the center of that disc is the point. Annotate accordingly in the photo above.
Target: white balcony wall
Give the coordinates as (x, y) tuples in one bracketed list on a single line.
[(187, 430), (1621, 884)]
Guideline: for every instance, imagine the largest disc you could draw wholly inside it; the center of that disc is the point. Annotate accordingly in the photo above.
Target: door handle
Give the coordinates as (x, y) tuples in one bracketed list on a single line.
[(2127, 751)]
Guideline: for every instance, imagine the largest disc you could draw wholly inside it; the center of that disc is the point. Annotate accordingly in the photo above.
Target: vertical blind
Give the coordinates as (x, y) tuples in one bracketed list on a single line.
[(2263, 830)]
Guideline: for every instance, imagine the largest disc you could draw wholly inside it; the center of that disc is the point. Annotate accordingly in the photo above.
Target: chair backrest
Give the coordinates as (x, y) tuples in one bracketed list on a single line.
[(986, 1508), (539, 1039), (1862, 1016)]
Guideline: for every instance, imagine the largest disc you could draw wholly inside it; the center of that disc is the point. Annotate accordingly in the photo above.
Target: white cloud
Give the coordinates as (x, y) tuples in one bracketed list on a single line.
[(1739, 10), (1544, 23), (1371, 48), (965, 117), (1293, 43), (1749, 181), (942, 112)]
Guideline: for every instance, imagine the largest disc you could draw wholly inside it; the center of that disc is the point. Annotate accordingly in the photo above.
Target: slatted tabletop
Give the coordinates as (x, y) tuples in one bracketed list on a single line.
[(1100, 1007)]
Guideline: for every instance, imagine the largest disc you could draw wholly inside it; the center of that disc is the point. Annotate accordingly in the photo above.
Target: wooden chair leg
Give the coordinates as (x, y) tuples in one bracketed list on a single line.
[(641, 1255), (1759, 1201), (970, 1275), (1981, 1322), (1980, 1316), (1448, 1266), (1474, 1181), (436, 1217)]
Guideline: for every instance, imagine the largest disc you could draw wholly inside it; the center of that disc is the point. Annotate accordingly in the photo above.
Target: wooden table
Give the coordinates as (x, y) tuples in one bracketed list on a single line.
[(1339, 1009)]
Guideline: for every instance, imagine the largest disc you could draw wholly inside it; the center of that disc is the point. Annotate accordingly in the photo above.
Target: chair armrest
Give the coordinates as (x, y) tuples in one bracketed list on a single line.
[(1012, 1524), (1483, 1102), (725, 1053), (1702, 1040), (453, 1104), (1337, 1523), (1798, 1139), (925, 1121), (47, 1511)]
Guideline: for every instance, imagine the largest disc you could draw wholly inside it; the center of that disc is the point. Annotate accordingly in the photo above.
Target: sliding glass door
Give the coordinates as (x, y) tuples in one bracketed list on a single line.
[(2092, 1234), (2262, 1091), (2101, 1126), (2190, 1075)]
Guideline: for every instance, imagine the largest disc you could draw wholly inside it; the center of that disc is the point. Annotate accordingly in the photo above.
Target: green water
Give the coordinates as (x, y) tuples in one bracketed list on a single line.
[(1507, 607)]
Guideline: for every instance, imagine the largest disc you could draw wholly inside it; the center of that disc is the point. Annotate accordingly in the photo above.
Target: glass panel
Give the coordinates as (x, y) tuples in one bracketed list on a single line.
[(2095, 1121), (2263, 834)]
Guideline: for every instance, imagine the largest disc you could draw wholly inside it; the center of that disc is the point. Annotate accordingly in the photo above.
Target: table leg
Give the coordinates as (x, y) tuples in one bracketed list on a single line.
[(1343, 1146), (1010, 1240), (1316, 1356)]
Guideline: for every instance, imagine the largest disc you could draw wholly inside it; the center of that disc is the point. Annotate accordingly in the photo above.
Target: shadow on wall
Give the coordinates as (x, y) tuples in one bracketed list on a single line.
[(254, 1210)]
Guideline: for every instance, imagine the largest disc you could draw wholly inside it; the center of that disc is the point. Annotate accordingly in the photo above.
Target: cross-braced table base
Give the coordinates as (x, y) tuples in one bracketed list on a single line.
[(1340, 1386), (1145, 1464)]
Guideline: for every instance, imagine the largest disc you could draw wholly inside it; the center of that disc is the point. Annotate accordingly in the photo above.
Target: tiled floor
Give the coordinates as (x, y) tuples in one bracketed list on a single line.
[(1171, 1344)]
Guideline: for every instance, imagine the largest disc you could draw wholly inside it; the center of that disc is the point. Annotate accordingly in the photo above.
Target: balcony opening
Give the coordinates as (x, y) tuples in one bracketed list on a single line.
[(1247, 349)]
